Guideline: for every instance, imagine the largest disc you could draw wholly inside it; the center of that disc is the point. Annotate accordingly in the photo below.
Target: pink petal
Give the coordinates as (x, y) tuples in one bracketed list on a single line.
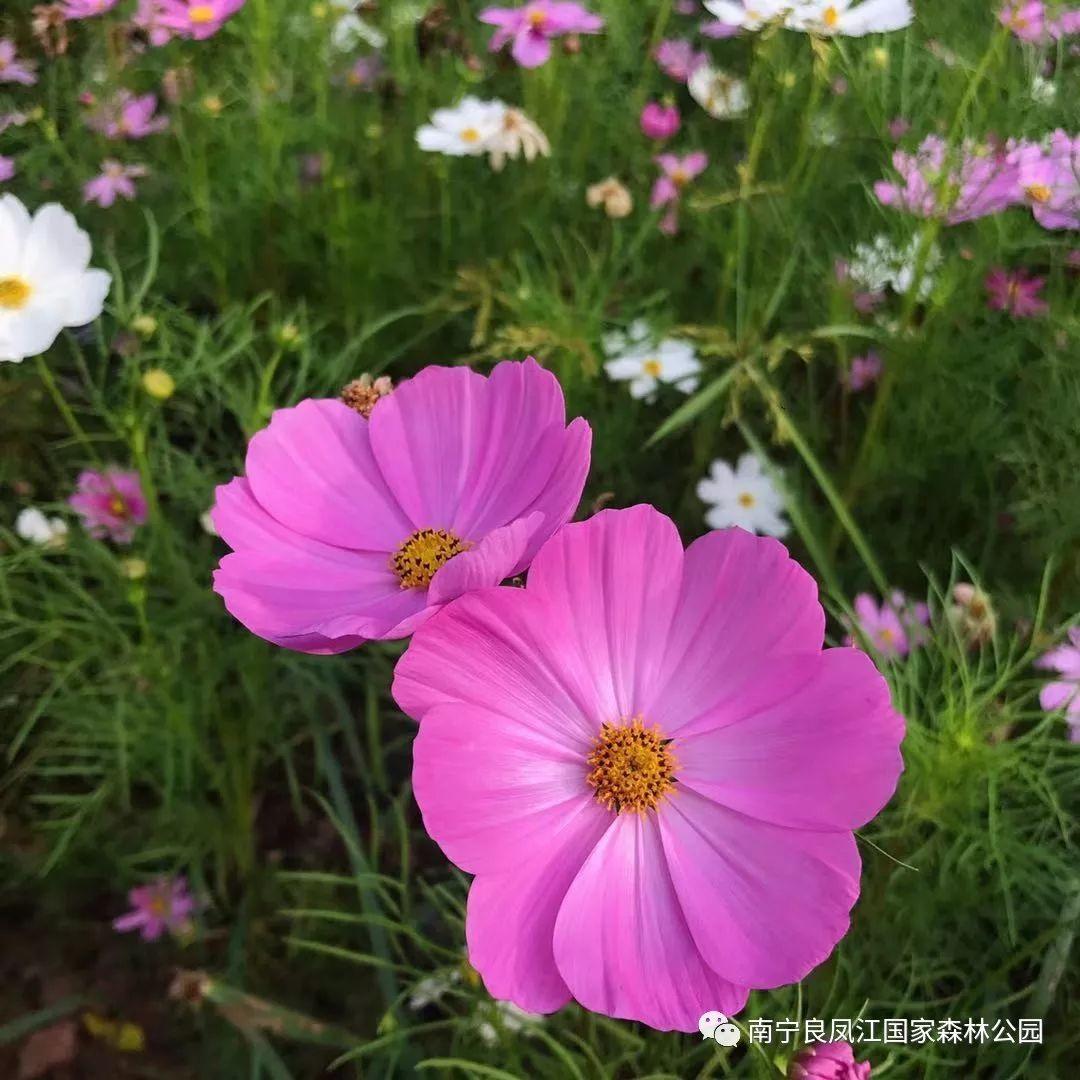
[(825, 755), (531, 49), (313, 470), (765, 904), (491, 789), (622, 944), (489, 563), (133, 920), (744, 605), (511, 915)]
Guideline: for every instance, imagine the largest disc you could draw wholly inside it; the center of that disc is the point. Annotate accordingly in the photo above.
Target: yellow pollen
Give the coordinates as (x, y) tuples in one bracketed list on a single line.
[(747, 500), (679, 177), (653, 368), (470, 135), (537, 19), (117, 506), (831, 17), (421, 556), (888, 636), (632, 767), (14, 293), (1040, 193), (159, 906), (201, 13)]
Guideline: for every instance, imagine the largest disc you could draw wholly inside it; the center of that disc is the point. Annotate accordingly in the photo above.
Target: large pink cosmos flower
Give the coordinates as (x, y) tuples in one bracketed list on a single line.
[(198, 19), (651, 766), (1049, 180), (532, 26), (972, 183), (346, 529)]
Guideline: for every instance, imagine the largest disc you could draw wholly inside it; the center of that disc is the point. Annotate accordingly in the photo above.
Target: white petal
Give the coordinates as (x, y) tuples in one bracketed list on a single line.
[(55, 247)]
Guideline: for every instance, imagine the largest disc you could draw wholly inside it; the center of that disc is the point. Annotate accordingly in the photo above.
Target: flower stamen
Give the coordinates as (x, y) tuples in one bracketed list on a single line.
[(632, 767), (14, 293), (421, 557)]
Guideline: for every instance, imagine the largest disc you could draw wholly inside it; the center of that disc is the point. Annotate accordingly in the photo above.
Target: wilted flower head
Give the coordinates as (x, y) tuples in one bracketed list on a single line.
[(1015, 292), (679, 59), (198, 19), (1064, 693), (645, 361), (659, 120), (116, 181), (745, 496), (670, 756), (530, 28), (87, 9), (128, 116), (613, 195), (973, 182), (828, 1061), (45, 279), (49, 24), (12, 69), (33, 526), (110, 503), (972, 615), (363, 394), (721, 95), (162, 905), (518, 136)]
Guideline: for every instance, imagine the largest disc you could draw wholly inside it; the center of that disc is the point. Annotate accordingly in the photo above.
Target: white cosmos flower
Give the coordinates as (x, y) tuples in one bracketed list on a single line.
[(752, 15), (721, 95), (1043, 91), (45, 278), (638, 358), (882, 264), (34, 526), (469, 128), (849, 19), (745, 496)]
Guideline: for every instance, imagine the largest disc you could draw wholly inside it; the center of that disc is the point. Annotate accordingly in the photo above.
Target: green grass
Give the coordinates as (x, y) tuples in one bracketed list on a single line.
[(144, 731)]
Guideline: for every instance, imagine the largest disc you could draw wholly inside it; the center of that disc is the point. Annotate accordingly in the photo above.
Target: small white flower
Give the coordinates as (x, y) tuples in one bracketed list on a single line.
[(433, 988), (745, 496), (45, 279), (721, 95), (882, 264), (638, 358), (843, 17), (519, 136), (1043, 91), (350, 30), (32, 525), (497, 1018), (467, 129), (206, 520)]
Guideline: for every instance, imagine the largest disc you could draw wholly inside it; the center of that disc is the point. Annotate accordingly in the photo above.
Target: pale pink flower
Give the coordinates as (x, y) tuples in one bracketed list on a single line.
[(162, 905), (116, 181), (1049, 180), (87, 9), (675, 173), (198, 19), (899, 126), (110, 503), (7, 168), (532, 27), (893, 628), (1064, 693), (660, 121), (1025, 18), (865, 371), (12, 69), (1015, 292), (828, 1061), (128, 116), (148, 18), (678, 59)]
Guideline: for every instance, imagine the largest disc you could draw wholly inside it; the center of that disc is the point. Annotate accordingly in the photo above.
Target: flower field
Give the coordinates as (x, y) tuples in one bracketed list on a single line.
[(539, 540)]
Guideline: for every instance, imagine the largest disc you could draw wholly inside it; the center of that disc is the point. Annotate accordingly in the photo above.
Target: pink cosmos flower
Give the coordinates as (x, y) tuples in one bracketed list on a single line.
[(1049, 180), (128, 116), (12, 69), (865, 371), (110, 503), (148, 18), (532, 27), (163, 905), (7, 168), (899, 126), (116, 181), (828, 1061), (1025, 18), (668, 757), (347, 529), (365, 71), (1065, 692), (1015, 292), (87, 9), (659, 121), (678, 59), (972, 183), (675, 173), (198, 19)]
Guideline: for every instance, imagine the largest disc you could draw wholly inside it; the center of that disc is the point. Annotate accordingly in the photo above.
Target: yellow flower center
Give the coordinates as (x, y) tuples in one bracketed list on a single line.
[(537, 19), (159, 906), (632, 767), (747, 500), (117, 506), (425, 553), (831, 17), (201, 14), (14, 293), (680, 177), (470, 135), (652, 367), (1040, 193), (888, 636)]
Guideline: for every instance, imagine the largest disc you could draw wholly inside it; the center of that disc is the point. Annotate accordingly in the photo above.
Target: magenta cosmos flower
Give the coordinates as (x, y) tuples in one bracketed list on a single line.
[(651, 766), (1049, 180), (1015, 292), (532, 27), (1064, 693), (87, 9), (110, 503), (162, 905), (660, 121), (198, 19), (128, 116), (828, 1061), (678, 59), (12, 69), (346, 529), (116, 181)]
